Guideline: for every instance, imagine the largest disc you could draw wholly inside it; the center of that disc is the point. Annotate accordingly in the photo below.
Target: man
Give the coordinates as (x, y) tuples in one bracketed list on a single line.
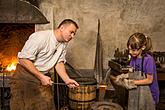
[(31, 83)]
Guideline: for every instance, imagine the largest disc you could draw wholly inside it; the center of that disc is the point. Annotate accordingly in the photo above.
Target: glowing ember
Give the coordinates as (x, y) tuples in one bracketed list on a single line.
[(11, 67), (103, 85)]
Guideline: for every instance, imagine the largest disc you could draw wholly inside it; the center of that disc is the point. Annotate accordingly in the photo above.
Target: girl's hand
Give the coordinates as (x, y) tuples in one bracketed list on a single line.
[(129, 84)]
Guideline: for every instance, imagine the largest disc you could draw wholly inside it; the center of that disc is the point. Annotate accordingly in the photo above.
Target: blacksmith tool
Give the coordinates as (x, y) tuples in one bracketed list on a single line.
[(59, 83)]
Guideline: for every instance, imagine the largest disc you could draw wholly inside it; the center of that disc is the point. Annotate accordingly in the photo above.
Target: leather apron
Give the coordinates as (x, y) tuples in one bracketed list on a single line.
[(141, 97), (27, 93)]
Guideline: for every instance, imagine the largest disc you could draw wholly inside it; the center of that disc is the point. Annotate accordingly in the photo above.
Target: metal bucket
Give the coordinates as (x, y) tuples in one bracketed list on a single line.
[(83, 96)]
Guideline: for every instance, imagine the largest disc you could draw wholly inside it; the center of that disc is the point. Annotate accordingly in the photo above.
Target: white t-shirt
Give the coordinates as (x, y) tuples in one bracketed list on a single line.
[(43, 50)]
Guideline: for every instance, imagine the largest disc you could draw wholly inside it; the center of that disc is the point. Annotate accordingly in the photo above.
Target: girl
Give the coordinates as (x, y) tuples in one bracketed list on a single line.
[(139, 47)]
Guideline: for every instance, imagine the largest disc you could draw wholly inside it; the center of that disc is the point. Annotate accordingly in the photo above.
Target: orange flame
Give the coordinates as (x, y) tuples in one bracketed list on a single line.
[(11, 67)]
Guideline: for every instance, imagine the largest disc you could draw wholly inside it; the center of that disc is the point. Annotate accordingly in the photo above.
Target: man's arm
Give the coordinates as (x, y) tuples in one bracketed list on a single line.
[(60, 68), (45, 80)]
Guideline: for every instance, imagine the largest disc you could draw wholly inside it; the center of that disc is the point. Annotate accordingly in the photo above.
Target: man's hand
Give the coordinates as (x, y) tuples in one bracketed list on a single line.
[(71, 83), (46, 80), (60, 68)]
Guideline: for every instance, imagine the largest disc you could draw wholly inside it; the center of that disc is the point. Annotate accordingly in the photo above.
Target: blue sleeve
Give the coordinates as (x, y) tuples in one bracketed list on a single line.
[(150, 64)]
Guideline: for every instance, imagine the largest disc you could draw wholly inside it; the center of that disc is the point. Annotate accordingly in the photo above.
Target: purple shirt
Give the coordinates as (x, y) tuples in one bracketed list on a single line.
[(149, 67)]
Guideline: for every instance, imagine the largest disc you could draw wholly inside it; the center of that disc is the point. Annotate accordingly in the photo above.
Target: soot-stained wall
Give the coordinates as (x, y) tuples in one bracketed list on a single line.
[(118, 20)]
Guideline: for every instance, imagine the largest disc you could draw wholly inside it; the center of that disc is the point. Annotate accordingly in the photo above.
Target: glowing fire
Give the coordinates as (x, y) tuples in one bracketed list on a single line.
[(103, 85), (11, 67)]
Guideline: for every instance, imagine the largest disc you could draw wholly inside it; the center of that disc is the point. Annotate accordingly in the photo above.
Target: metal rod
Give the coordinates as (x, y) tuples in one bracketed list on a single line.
[(57, 87), (39, 82), (66, 84), (59, 83)]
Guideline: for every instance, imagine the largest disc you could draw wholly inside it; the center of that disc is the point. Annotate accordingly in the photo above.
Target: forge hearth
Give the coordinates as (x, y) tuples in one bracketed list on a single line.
[(12, 39), (17, 22)]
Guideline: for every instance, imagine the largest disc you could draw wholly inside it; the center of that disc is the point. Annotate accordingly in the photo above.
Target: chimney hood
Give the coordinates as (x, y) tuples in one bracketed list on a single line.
[(19, 11)]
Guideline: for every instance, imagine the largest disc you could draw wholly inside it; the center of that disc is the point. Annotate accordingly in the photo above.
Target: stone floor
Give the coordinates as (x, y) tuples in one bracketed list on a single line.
[(161, 104), (108, 95)]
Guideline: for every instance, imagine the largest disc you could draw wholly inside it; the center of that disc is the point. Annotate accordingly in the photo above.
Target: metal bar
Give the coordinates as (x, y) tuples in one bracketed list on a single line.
[(59, 83), (57, 87), (55, 83), (38, 82)]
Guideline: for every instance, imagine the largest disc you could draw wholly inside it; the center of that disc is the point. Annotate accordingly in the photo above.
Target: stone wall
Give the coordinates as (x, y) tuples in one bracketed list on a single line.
[(118, 20)]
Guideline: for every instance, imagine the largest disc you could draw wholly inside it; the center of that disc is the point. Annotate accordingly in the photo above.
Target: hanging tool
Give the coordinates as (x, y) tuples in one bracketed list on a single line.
[(98, 67)]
